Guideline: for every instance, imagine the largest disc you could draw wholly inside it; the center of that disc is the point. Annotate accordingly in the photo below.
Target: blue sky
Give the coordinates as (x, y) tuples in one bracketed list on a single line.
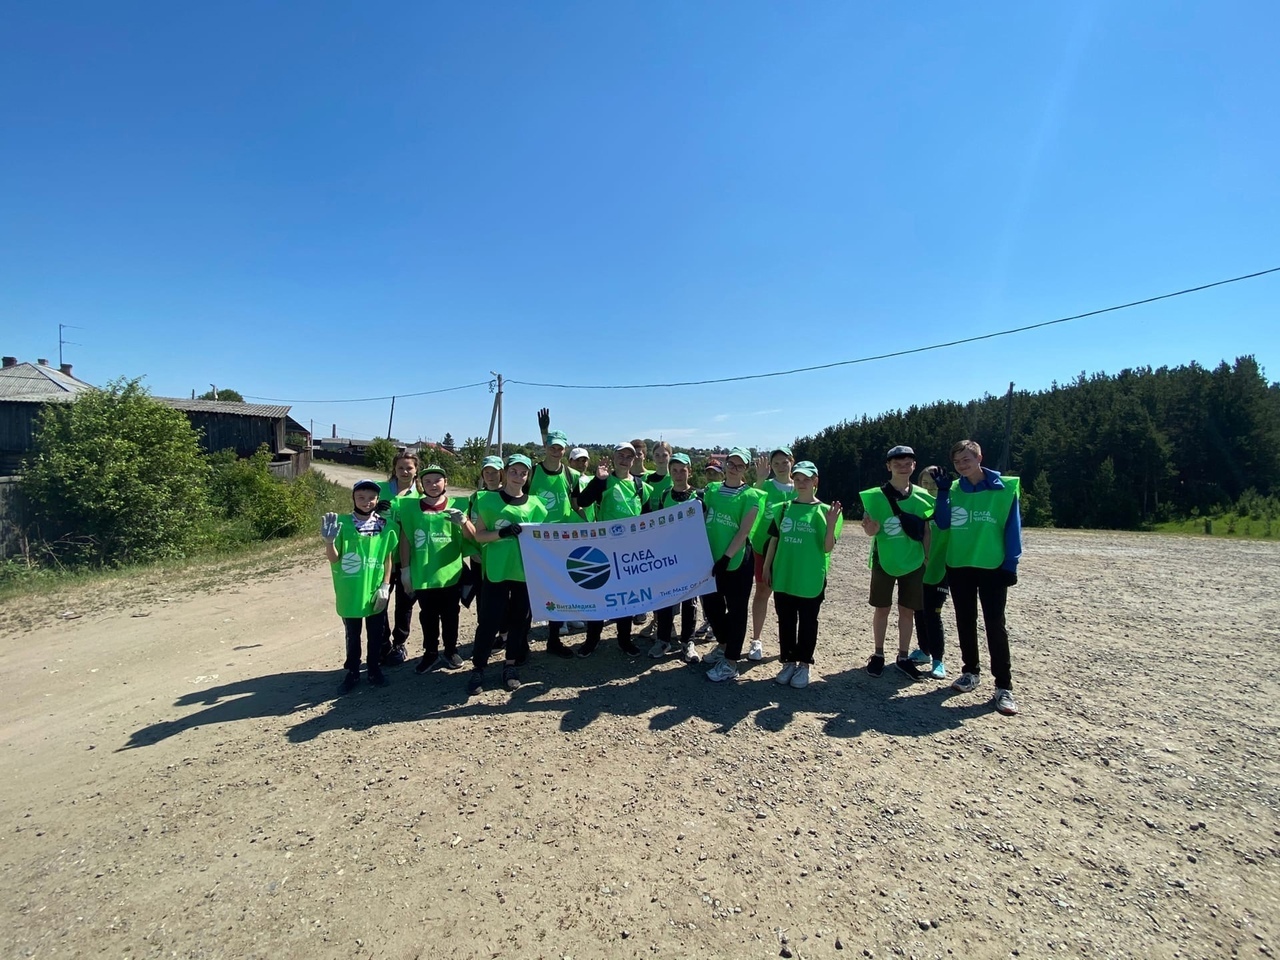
[(320, 201)]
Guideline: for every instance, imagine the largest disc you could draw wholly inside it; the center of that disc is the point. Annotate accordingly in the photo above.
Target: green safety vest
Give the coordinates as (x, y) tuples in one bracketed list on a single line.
[(977, 525), (359, 570), (657, 489), (898, 554), (725, 507), (772, 498), (469, 547), (387, 491), (554, 490), (435, 546), (620, 500), (936, 568), (502, 560), (800, 564)]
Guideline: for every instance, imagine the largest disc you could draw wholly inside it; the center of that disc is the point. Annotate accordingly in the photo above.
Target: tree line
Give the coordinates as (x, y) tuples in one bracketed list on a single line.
[(1121, 451)]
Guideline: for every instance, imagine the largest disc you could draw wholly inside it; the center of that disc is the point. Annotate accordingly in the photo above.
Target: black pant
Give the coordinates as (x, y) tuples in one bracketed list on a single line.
[(797, 626), (929, 620), (666, 618), (595, 628), (402, 609), (969, 587), (375, 629), (728, 608), (508, 621), (504, 602), (438, 614)]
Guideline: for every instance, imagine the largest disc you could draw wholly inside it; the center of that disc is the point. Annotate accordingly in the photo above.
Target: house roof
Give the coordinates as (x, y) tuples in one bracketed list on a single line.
[(38, 381), (224, 406)]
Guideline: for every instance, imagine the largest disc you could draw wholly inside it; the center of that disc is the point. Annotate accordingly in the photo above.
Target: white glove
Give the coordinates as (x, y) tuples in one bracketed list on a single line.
[(454, 515), (329, 527), (406, 580), (382, 598)]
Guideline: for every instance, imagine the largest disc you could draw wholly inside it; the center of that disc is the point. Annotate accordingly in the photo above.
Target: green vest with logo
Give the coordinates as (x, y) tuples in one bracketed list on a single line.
[(936, 568), (435, 546), (502, 560), (359, 570), (977, 525), (387, 491), (898, 554), (772, 498), (620, 499), (800, 564), (725, 507), (556, 491), (657, 489)]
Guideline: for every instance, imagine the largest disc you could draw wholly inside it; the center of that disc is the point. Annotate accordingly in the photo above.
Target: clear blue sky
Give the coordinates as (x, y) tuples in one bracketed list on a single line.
[(324, 200)]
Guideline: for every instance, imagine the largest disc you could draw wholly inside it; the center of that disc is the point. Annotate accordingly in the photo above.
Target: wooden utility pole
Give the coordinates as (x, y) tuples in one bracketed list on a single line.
[(1006, 452), (496, 416), (391, 417)]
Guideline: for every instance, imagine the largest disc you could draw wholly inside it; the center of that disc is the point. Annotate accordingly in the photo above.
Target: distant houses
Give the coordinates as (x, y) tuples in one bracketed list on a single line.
[(26, 388)]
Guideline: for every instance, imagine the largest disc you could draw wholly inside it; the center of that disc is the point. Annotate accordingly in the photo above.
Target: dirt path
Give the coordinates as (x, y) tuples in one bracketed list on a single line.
[(185, 783)]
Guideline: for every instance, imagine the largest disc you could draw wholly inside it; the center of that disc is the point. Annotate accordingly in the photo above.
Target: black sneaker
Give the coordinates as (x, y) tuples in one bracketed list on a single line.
[(428, 663), (558, 649), (640, 619), (349, 682), (475, 682), (904, 664), (396, 656), (875, 666), (499, 642), (584, 650), (377, 677), (510, 678), (629, 648)]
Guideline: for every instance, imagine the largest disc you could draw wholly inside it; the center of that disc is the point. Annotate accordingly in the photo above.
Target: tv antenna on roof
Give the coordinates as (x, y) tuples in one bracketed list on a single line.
[(63, 342)]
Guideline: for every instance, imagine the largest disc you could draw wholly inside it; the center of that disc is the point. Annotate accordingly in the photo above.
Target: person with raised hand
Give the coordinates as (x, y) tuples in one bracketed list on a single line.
[(491, 478), (731, 511), (556, 485), (802, 534), (982, 512), (431, 542), (773, 479), (401, 486), (618, 495), (505, 599), (359, 546), (678, 492)]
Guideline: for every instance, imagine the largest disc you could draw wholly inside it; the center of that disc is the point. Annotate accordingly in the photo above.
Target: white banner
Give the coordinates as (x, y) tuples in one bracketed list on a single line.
[(617, 568)]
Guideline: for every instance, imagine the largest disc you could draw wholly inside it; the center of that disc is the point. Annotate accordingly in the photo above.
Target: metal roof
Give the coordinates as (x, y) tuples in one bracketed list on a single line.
[(38, 382), (224, 406)]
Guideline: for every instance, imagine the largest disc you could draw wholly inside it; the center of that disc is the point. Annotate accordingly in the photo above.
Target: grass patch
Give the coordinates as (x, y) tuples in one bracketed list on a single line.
[(1228, 526)]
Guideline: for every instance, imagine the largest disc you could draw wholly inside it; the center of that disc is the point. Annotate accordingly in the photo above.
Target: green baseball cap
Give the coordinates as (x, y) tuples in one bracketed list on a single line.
[(521, 459), (434, 468), (681, 458), (495, 462), (741, 453), (805, 467), (558, 436), (783, 450)]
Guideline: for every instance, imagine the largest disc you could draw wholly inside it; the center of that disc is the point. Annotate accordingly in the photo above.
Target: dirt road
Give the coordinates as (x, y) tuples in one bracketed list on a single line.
[(180, 780)]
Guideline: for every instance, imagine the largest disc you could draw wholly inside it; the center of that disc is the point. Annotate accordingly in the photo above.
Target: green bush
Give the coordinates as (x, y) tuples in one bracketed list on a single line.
[(116, 477), (256, 504), (381, 454)]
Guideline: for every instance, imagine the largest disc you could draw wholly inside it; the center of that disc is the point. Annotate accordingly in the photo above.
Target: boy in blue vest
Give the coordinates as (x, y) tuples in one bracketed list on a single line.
[(982, 512)]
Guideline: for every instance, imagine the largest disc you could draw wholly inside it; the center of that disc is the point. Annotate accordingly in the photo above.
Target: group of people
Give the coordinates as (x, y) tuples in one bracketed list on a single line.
[(407, 537)]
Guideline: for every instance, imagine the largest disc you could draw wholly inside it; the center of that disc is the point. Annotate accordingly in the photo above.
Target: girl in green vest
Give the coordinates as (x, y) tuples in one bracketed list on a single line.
[(402, 485), (802, 534), (731, 510), (678, 492), (556, 485), (501, 519), (490, 483), (431, 542), (359, 547), (929, 631), (773, 475)]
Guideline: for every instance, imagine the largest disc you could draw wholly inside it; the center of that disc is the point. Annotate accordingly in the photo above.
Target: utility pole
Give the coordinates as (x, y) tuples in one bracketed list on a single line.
[(389, 419), (496, 416), (1006, 452)]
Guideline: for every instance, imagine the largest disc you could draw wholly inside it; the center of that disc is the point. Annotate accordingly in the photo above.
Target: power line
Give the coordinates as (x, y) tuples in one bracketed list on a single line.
[(896, 353), (400, 396)]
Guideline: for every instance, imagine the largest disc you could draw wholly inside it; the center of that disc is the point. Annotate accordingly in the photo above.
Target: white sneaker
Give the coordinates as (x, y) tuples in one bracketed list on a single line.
[(658, 650), (965, 683), (1005, 703), (716, 654), (755, 651), (785, 674), (455, 661), (724, 670), (800, 678), (691, 653)]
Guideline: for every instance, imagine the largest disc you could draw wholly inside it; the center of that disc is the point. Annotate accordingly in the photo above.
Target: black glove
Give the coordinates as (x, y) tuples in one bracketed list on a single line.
[(721, 566), (1010, 577), (912, 526), (510, 530), (382, 506), (941, 478), (544, 420)]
